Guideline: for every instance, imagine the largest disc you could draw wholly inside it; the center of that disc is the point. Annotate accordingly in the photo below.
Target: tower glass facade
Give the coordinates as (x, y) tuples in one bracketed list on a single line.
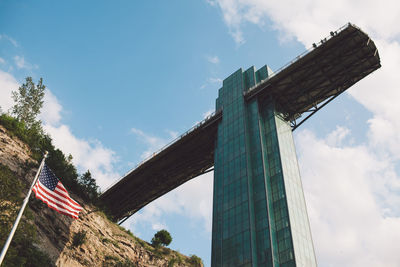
[(259, 212)]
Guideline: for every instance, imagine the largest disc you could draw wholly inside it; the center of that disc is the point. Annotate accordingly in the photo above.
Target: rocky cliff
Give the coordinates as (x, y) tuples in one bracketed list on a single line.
[(92, 240)]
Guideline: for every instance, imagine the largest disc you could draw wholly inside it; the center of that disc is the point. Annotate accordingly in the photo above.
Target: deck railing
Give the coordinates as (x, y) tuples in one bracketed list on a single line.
[(196, 126), (315, 45)]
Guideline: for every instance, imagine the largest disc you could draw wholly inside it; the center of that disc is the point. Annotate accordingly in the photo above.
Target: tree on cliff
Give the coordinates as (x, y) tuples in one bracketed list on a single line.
[(28, 102), (162, 237), (89, 186)]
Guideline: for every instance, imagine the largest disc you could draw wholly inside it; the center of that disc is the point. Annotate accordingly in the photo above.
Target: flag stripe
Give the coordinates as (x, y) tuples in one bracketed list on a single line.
[(65, 194), (55, 199), (52, 192), (61, 186), (54, 203), (54, 207), (57, 209)]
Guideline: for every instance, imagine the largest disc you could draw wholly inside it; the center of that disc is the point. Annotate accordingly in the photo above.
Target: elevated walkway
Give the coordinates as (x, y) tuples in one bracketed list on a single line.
[(190, 155), (300, 88)]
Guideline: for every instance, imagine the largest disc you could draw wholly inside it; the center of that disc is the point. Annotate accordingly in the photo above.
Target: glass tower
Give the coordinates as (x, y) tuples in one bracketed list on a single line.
[(259, 212)]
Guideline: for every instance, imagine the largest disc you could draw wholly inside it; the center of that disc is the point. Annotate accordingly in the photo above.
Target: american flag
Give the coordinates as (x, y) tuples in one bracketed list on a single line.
[(51, 191)]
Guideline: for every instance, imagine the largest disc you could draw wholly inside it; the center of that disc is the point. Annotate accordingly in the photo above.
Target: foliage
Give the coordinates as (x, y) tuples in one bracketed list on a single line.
[(166, 251), (61, 165), (116, 262), (195, 261), (171, 262), (22, 251), (162, 237), (64, 171), (177, 260), (11, 187), (78, 238), (28, 101), (34, 137), (91, 190), (113, 242), (10, 196), (141, 242)]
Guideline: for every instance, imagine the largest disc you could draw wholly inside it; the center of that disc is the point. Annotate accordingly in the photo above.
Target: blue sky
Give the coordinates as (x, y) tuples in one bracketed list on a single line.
[(124, 78)]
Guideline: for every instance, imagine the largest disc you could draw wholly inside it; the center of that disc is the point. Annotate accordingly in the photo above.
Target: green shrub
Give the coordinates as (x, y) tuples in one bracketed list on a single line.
[(178, 258), (162, 237), (38, 142), (171, 262), (195, 261), (88, 183), (78, 238), (22, 251), (114, 261), (113, 242), (11, 187), (141, 242), (34, 136)]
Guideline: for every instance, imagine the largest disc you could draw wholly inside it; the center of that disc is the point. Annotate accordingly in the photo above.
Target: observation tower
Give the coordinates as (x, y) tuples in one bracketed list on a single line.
[(259, 213)]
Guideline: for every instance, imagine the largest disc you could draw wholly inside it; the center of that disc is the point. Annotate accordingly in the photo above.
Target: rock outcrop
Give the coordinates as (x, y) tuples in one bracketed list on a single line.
[(104, 243)]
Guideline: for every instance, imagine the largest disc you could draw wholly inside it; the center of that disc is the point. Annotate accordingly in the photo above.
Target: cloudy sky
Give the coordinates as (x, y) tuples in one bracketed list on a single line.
[(125, 78)]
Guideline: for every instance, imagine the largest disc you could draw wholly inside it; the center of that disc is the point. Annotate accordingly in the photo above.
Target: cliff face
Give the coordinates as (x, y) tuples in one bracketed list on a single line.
[(102, 242), (13, 153)]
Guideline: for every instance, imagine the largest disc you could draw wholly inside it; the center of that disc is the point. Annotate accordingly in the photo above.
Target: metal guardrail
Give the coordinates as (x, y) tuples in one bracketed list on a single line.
[(315, 45), (196, 126)]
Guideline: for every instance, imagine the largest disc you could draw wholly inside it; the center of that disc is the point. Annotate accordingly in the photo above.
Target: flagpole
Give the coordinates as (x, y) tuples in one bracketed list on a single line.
[(10, 236)]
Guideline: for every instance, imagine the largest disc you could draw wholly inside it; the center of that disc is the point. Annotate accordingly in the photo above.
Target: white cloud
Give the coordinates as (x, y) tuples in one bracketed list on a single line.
[(8, 38), (21, 63), (336, 137), (192, 199), (214, 80), (2, 61), (353, 192), (232, 17), (310, 20), (211, 2), (380, 95), (158, 226), (153, 143), (213, 59), (87, 154), (237, 35), (51, 111), (353, 198), (7, 84), (172, 134)]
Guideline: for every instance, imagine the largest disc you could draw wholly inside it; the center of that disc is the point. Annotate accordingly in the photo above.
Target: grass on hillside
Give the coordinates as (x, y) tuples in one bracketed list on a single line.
[(22, 251)]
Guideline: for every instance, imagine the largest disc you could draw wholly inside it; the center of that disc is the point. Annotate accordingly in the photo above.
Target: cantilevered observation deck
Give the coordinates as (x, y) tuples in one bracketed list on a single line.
[(300, 89)]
